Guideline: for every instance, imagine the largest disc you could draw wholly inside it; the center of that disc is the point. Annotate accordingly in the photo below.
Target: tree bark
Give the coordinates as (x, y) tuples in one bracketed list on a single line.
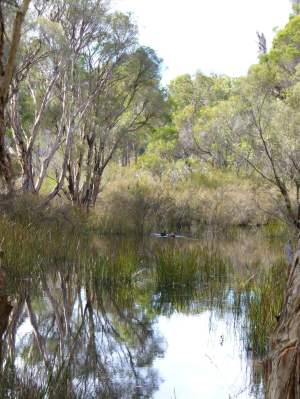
[(282, 366), (5, 161)]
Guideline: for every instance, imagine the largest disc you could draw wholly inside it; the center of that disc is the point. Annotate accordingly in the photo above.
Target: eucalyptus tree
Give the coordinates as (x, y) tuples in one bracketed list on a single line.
[(296, 6), (96, 43), (131, 101), (254, 126), (265, 118), (82, 70), (259, 133), (9, 44), (279, 68), (192, 100), (276, 146), (32, 102)]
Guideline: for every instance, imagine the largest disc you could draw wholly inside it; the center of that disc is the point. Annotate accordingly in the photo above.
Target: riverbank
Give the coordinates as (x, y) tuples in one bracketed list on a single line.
[(137, 200)]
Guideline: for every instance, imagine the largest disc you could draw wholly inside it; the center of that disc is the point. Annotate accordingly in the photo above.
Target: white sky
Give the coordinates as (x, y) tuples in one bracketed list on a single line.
[(213, 36)]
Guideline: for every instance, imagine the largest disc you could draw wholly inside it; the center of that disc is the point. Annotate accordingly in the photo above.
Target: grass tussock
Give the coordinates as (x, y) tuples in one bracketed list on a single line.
[(31, 210), (116, 269), (175, 268), (264, 300), (188, 267), (189, 280)]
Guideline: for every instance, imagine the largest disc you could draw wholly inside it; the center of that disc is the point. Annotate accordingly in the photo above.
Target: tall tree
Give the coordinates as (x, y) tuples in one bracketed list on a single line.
[(8, 54), (131, 101)]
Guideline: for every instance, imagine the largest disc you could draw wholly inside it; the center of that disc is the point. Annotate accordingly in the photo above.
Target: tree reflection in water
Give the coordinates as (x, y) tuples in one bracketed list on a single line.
[(69, 339), (87, 329)]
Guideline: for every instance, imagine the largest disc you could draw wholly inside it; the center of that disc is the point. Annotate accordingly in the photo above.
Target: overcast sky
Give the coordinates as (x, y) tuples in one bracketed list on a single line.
[(214, 36)]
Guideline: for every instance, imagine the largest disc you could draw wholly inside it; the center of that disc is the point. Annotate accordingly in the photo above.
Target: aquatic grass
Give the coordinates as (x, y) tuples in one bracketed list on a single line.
[(128, 281), (263, 305), (276, 229), (186, 278), (31, 249), (188, 266), (116, 268), (175, 267)]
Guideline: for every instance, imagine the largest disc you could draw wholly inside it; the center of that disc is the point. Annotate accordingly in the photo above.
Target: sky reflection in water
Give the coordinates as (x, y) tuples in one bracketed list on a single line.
[(204, 358)]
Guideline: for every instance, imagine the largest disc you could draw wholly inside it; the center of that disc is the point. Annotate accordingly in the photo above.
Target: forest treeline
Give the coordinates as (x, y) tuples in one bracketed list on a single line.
[(82, 107)]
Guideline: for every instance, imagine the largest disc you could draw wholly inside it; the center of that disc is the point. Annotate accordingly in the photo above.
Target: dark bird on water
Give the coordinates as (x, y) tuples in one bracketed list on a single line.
[(165, 234)]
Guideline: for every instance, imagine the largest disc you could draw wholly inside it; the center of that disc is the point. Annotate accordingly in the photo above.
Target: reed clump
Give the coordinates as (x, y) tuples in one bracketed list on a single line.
[(115, 269), (188, 267), (36, 240), (264, 304), (176, 268)]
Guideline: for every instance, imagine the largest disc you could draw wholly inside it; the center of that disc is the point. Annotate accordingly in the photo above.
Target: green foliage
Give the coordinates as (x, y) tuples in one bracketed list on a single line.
[(286, 48)]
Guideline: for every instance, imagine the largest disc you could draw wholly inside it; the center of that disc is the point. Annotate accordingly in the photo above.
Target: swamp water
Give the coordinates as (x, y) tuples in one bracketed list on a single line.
[(161, 318)]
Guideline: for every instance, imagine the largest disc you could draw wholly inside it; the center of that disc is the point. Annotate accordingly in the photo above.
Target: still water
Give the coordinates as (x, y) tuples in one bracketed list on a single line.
[(153, 319), (201, 360)]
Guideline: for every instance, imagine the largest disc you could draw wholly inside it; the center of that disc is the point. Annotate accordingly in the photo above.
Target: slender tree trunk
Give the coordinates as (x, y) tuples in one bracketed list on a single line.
[(66, 159), (5, 161), (96, 188), (87, 188), (23, 151), (6, 74)]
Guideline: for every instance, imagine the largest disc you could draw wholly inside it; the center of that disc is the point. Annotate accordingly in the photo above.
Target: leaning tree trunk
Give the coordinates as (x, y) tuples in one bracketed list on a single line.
[(5, 163), (282, 365)]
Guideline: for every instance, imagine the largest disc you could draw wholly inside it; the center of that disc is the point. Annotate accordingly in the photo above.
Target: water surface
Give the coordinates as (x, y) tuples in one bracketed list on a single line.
[(137, 319)]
